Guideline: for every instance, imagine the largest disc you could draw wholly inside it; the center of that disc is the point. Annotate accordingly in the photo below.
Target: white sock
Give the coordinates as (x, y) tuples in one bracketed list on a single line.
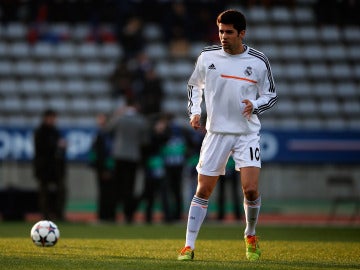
[(197, 213), (252, 209)]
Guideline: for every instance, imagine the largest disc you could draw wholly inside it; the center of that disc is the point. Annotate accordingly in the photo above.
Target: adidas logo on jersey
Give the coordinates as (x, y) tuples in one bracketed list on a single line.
[(212, 66)]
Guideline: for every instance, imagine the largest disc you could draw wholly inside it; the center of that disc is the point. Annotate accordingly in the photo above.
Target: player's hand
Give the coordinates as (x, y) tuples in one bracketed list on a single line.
[(195, 121), (248, 108)]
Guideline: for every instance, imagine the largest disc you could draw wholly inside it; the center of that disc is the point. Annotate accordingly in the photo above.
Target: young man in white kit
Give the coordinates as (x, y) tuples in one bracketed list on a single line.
[(238, 86)]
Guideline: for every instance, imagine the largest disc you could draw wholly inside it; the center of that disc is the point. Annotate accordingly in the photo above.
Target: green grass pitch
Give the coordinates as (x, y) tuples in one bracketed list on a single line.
[(84, 246)]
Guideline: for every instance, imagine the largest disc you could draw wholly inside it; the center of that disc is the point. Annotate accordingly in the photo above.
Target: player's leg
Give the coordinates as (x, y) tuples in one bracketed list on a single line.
[(247, 157), (252, 199), (252, 203), (197, 213), (214, 154)]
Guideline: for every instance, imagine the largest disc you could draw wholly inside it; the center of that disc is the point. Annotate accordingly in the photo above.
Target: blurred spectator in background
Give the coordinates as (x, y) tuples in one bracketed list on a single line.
[(101, 161), (49, 167), (152, 94), (130, 131), (174, 153), (121, 80), (131, 36), (232, 177), (154, 168)]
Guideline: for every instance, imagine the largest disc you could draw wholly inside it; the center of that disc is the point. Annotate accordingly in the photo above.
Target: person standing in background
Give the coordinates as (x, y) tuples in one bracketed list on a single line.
[(49, 166), (101, 161), (130, 132)]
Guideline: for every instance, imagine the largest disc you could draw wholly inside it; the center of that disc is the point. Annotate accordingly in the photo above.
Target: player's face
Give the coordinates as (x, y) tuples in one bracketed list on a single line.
[(230, 38)]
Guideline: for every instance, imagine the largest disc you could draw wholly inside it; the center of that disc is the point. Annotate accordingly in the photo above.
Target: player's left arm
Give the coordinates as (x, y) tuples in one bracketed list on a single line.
[(266, 89)]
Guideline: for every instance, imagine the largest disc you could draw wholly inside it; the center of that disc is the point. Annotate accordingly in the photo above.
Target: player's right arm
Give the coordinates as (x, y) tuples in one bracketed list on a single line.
[(195, 88)]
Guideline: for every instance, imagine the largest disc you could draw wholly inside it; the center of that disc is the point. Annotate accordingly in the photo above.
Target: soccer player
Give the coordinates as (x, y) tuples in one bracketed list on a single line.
[(238, 86)]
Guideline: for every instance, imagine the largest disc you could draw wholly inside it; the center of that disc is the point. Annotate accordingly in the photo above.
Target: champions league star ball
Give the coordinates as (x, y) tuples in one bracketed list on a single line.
[(45, 233)]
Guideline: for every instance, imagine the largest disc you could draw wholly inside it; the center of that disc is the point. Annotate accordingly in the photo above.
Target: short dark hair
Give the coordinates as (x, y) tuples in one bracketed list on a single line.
[(234, 17)]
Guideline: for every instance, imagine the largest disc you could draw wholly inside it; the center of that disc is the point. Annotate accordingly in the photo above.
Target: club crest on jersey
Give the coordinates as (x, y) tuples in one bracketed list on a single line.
[(248, 71)]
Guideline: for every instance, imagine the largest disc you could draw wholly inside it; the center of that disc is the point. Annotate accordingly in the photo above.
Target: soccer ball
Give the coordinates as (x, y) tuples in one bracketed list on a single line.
[(45, 233)]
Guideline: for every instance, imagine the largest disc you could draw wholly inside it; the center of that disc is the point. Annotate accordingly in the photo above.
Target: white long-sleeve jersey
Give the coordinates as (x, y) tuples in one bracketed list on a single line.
[(226, 80)]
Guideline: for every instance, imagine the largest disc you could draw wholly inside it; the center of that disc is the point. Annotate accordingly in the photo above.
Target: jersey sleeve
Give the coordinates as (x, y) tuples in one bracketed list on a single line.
[(195, 87), (267, 94)]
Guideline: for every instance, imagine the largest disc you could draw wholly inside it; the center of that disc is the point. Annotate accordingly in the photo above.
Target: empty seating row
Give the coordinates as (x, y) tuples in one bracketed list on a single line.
[(50, 68), (54, 87), (43, 50)]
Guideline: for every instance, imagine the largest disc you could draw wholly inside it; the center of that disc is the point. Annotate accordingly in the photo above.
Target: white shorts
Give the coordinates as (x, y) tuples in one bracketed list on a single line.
[(217, 148)]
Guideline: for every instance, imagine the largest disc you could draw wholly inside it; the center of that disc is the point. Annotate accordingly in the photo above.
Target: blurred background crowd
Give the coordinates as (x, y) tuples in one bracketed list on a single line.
[(98, 63)]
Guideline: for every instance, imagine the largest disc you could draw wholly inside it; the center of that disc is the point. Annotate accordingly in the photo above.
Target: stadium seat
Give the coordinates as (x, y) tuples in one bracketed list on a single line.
[(257, 15), (351, 108), (294, 71), (329, 107), (182, 69), (353, 123), (280, 15), (162, 68), (288, 123), (74, 87), (312, 123), (301, 89), (110, 51), (81, 105), (329, 33), (34, 105), (285, 107), (47, 68), (352, 34), (353, 52), (318, 71), (290, 52), (313, 52), (9, 87), (307, 34), (347, 90), (88, 51), (25, 68), (59, 104), (156, 50), (4, 49), (80, 31), (262, 34), (323, 89), (307, 107), (6, 68), (52, 87), (65, 50), (304, 15), (335, 123), (68, 69), (19, 50), (335, 53), (271, 51), (12, 105), (30, 87), (103, 105), (284, 34), (98, 87), (152, 32), (174, 106), (15, 31), (94, 69), (341, 71), (43, 50)]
